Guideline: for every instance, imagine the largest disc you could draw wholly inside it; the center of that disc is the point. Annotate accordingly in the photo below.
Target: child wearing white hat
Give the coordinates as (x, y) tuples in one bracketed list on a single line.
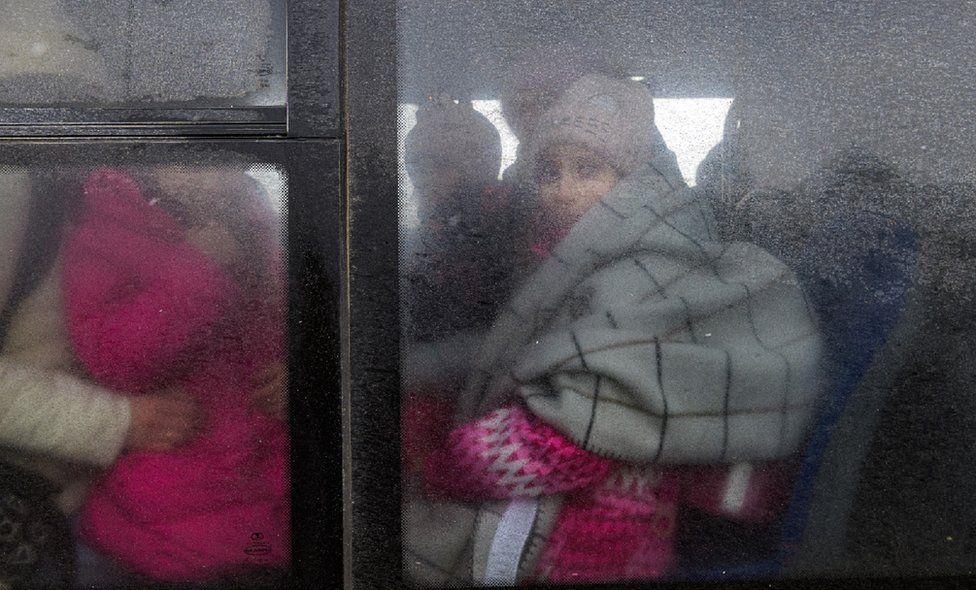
[(638, 345)]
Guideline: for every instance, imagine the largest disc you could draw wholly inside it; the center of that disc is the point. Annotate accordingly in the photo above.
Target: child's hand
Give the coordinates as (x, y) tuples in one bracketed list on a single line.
[(270, 394), (216, 241), (163, 421)]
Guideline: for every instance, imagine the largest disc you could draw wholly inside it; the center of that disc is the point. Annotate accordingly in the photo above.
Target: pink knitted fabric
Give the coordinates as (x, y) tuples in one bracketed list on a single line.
[(510, 453), (622, 529), (145, 310), (617, 522)]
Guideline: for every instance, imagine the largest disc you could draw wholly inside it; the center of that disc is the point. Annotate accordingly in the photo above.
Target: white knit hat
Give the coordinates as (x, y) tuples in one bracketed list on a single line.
[(539, 73), (453, 133), (614, 118)]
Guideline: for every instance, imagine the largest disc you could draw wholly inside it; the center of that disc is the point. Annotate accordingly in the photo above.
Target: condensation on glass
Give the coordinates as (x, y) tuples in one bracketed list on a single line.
[(143, 345), (214, 53), (686, 291)]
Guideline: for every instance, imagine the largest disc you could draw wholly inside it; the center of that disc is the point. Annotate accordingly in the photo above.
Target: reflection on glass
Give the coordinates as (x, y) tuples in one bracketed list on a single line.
[(122, 52), (144, 373)]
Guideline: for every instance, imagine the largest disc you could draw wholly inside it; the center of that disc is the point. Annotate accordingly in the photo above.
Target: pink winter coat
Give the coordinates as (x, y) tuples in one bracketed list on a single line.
[(145, 310)]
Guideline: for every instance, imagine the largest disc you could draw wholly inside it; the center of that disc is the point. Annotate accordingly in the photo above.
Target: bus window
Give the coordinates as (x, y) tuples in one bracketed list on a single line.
[(684, 291)]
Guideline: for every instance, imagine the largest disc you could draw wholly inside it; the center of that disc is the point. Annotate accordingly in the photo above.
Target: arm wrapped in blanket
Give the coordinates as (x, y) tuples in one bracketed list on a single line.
[(645, 340)]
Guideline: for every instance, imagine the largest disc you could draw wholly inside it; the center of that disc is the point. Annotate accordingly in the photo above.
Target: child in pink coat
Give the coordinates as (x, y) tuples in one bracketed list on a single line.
[(159, 296)]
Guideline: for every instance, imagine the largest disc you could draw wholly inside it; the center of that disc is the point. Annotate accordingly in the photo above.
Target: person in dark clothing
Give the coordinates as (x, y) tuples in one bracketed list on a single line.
[(458, 266), (461, 267)]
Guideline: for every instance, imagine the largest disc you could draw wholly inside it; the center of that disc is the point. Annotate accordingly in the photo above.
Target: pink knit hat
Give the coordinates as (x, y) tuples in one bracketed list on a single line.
[(614, 118)]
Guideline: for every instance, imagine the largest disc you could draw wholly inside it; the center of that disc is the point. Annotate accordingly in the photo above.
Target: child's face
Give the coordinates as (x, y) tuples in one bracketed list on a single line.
[(572, 179)]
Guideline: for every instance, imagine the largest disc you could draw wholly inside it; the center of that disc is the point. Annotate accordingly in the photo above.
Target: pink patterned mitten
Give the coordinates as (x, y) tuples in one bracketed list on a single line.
[(510, 453)]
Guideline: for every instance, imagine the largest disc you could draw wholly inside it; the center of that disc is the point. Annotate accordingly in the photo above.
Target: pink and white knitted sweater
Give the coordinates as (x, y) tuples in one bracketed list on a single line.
[(617, 521)]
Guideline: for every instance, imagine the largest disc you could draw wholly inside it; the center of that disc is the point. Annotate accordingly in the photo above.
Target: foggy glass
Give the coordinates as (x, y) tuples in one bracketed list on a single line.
[(835, 138), (143, 371), (120, 52)]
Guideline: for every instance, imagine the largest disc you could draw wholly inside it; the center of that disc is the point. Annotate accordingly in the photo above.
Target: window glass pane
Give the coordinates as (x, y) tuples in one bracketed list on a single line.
[(685, 290), (143, 372), (119, 52)]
